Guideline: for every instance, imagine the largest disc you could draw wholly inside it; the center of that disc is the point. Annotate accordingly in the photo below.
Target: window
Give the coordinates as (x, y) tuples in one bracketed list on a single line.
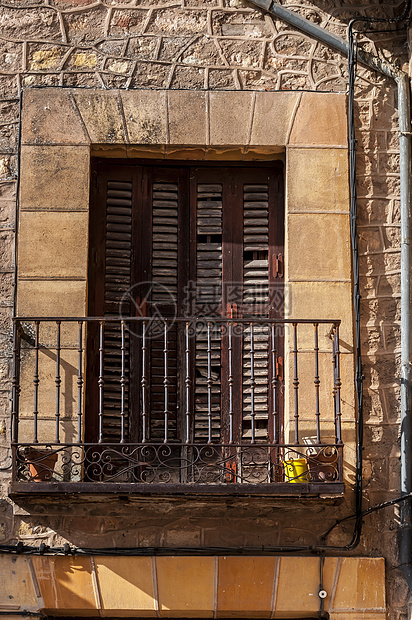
[(88, 369), (178, 242)]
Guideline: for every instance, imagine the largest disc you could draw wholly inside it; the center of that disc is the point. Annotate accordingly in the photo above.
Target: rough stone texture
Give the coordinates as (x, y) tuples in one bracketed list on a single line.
[(217, 45)]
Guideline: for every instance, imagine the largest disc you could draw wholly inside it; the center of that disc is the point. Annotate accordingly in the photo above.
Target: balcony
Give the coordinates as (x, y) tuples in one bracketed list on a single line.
[(154, 405)]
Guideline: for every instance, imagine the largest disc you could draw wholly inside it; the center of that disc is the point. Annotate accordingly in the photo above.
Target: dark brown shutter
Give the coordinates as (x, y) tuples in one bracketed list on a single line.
[(162, 301), (142, 235), (256, 299), (209, 206), (117, 283)]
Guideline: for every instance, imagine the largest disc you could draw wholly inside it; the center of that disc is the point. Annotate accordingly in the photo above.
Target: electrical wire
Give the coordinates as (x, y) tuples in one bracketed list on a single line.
[(364, 513), (67, 549), (24, 612), (352, 66)]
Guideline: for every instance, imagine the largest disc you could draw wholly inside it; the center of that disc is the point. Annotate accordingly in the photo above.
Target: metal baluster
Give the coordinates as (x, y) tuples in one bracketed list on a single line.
[(58, 381), (36, 380), (273, 385), (80, 384), (144, 384), (296, 380), (252, 384), (123, 384), (209, 383), (317, 382), (101, 380), (15, 384), (188, 382), (337, 386), (166, 385), (230, 382)]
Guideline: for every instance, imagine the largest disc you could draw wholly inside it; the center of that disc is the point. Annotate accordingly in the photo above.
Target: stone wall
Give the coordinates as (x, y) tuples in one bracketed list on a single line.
[(216, 44)]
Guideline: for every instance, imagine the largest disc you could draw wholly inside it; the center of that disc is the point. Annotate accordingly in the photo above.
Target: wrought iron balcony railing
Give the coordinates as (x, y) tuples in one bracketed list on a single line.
[(161, 405)]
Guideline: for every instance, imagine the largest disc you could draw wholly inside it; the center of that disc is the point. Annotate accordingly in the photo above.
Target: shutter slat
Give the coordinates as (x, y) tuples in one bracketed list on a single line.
[(164, 275), (256, 291), (116, 283), (209, 291)]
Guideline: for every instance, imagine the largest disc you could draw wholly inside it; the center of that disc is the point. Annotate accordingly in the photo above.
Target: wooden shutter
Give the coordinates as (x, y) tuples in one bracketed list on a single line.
[(142, 235), (238, 228), (117, 283), (162, 300), (110, 278), (209, 206), (256, 300)]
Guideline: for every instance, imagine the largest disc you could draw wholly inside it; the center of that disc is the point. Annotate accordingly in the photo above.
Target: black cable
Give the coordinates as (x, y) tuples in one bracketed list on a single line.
[(43, 549), (364, 513), (321, 591), (38, 614), (352, 65)]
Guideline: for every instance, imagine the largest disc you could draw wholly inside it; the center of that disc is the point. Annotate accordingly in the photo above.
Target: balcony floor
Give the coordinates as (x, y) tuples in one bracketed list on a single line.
[(41, 489)]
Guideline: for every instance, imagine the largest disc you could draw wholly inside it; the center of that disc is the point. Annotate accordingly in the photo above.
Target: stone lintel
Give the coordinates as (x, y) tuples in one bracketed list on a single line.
[(190, 118)]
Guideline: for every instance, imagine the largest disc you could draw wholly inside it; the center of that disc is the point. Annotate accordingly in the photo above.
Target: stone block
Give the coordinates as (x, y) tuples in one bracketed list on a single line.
[(66, 583), (185, 586), (182, 536), (320, 120), (126, 586), (307, 393), (47, 371), (187, 117), (245, 587), (6, 289), (49, 116), (46, 430), (7, 214), (321, 246), (145, 113), (51, 298), (230, 117), (304, 574), (54, 177), (317, 180), (7, 204), (360, 586), (7, 249), (8, 191), (322, 300), (17, 589), (102, 115), (53, 244), (272, 118), (370, 240)]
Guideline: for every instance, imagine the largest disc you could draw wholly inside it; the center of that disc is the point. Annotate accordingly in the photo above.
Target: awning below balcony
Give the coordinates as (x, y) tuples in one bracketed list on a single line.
[(193, 587)]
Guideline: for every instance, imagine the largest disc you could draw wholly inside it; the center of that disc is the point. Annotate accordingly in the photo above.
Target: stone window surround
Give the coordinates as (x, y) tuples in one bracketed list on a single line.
[(63, 128)]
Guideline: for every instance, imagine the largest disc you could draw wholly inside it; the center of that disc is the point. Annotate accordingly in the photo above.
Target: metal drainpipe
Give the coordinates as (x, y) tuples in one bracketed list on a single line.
[(402, 81)]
